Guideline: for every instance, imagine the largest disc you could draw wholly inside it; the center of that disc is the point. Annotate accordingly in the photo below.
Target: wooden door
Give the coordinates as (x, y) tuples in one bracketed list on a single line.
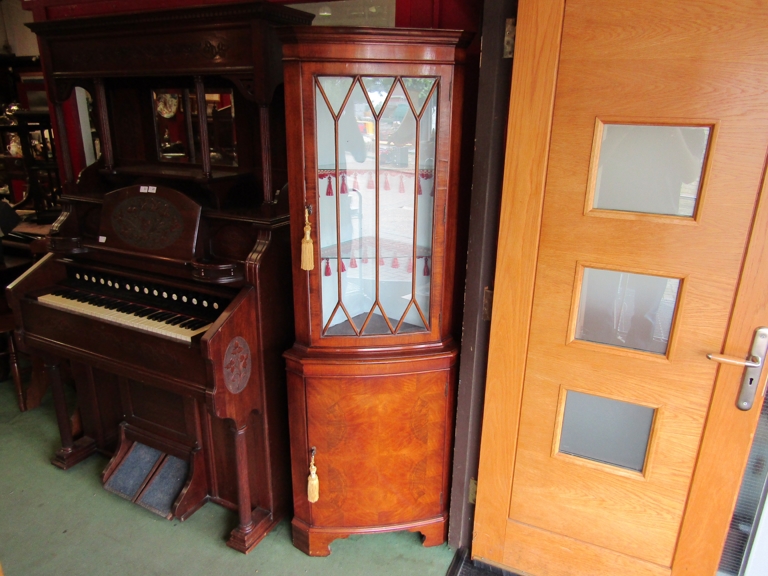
[(611, 444)]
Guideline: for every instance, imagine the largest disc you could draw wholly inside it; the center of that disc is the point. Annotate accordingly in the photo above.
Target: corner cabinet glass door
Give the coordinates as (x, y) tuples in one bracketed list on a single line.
[(375, 142)]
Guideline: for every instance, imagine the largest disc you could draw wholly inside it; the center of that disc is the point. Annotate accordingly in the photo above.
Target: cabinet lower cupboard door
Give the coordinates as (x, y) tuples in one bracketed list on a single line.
[(374, 118)]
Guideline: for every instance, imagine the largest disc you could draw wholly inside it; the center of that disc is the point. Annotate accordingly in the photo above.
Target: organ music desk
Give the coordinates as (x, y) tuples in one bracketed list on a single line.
[(168, 285)]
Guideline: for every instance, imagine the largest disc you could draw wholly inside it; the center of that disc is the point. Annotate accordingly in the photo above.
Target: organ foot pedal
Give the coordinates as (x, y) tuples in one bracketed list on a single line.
[(150, 478)]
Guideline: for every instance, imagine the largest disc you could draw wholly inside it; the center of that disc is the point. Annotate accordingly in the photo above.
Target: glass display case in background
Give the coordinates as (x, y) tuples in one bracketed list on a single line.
[(29, 174), (29, 177)]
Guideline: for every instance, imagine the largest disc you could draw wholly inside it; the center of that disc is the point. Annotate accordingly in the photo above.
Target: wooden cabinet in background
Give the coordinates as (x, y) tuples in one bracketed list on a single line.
[(373, 133)]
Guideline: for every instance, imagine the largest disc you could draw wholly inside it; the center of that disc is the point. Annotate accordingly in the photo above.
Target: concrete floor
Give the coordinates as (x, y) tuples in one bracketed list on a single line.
[(64, 523)]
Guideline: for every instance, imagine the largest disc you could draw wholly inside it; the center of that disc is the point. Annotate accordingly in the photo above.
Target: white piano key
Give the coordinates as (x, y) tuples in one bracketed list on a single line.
[(121, 318)]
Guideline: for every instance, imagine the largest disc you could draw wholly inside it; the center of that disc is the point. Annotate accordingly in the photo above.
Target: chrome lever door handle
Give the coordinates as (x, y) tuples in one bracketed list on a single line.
[(751, 362), (753, 368)]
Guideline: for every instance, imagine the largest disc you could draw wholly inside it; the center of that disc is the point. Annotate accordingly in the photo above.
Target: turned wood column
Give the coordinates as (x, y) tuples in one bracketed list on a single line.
[(72, 451), (53, 374), (202, 118), (102, 115), (266, 154)]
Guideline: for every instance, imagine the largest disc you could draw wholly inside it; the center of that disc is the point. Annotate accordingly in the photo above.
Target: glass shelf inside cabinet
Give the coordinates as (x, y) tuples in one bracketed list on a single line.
[(375, 156)]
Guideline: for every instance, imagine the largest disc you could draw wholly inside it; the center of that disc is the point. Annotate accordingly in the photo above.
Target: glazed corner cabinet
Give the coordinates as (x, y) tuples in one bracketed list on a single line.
[(373, 150)]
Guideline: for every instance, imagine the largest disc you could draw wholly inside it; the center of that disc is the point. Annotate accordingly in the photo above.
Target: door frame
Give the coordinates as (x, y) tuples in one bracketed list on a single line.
[(489, 136), (728, 432)]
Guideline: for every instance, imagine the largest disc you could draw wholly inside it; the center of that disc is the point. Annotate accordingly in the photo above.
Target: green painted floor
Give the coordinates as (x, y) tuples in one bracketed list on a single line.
[(65, 524)]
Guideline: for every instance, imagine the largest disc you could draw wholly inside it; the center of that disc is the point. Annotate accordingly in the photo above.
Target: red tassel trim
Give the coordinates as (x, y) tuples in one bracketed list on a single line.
[(381, 261), (352, 262), (386, 182), (419, 180), (395, 263), (328, 267), (329, 189), (402, 186), (371, 178), (355, 185), (343, 184), (426, 266), (343, 268)]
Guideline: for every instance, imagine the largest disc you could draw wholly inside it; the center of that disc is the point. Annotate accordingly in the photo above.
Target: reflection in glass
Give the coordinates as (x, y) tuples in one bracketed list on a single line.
[(418, 90), (650, 169), (375, 223), (335, 89), (377, 88), (171, 126), (606, 430), (378, 13), (178, 130), (356, 208), (627, 310), (326, 174), (397, 139), (220, 111), (426, 197), (91, 142)]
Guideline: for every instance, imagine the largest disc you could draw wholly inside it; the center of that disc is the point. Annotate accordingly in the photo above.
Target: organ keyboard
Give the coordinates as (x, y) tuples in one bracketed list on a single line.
[(145, 306)]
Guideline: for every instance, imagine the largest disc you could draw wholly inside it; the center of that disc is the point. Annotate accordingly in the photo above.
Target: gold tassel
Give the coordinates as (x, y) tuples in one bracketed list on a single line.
[(313, 483), (307, 251)]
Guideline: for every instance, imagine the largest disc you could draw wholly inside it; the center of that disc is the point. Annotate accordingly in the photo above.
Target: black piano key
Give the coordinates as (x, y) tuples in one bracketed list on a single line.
[(178, 320), (162, 317), (146, 312), (141, 309), (154, 315), (196, 324)]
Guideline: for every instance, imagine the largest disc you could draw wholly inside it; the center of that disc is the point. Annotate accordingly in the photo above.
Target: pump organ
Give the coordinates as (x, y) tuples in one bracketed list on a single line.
[(168, 282)]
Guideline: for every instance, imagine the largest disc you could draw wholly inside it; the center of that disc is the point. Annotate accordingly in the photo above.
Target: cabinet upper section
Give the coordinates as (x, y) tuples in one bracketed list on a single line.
[(227, 39), (376, 168)]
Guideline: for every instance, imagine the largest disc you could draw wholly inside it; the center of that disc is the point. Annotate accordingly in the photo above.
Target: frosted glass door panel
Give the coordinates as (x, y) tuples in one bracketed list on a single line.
[(606, 430), (650, 169), (627, 310)]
